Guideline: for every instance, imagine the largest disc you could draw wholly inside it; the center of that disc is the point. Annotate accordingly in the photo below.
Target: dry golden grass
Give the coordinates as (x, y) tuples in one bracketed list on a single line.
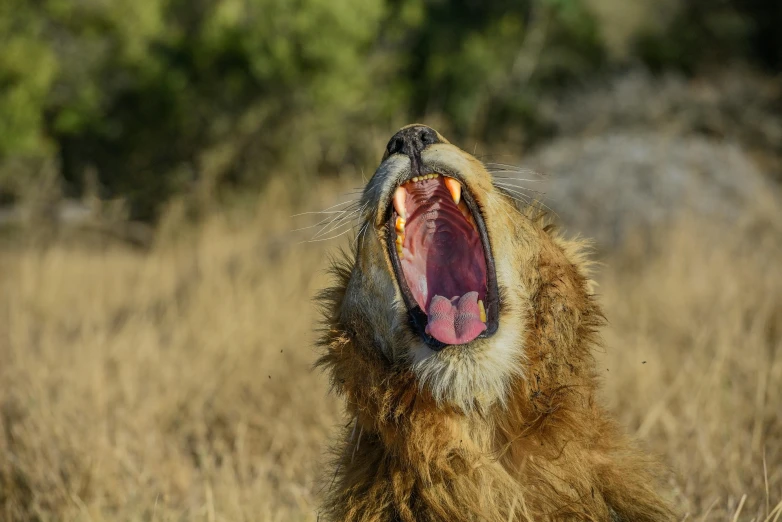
[(177, 385)]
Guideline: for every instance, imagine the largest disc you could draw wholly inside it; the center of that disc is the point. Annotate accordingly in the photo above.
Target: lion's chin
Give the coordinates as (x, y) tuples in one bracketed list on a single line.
[(473, 376)]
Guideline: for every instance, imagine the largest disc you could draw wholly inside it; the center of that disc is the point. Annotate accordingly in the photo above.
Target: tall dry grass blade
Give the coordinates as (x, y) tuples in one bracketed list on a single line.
[(741, 506), (708, 511), (765, 481), (776, 513)]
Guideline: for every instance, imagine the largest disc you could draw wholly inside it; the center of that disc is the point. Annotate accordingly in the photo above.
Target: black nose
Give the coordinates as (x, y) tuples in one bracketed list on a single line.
[(410, 141)]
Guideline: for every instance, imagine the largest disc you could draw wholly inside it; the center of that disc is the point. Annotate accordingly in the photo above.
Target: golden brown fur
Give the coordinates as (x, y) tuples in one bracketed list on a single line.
[(466, 434)]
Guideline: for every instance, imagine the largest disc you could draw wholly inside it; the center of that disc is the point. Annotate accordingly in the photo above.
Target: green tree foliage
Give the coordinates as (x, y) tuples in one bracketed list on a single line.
[(27, 72), (481, 64), (707, 32), (141, 90), (157, 96)]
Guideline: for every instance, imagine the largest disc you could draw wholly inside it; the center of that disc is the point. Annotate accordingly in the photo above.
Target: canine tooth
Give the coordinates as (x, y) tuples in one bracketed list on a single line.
[(455, 188), (467, 214), (400, 198), (400, 225), (482, 310)]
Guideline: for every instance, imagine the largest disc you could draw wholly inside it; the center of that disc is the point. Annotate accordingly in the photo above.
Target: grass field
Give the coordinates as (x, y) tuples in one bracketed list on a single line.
[(176, 383)]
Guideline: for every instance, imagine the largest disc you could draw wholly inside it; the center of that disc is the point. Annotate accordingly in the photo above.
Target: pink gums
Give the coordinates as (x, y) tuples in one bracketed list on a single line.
[(443, 263)]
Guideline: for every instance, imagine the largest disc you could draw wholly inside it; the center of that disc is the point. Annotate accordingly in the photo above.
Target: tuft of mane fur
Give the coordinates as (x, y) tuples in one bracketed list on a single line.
[(415, 450)]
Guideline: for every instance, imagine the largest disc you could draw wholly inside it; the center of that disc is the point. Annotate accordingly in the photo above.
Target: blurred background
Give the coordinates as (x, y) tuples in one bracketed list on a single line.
[(162, 163)]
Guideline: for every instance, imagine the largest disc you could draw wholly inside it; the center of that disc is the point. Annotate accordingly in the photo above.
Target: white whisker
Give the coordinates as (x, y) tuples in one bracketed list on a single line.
[(512, 168), (325, 210), (523, 201), (321, 212), (322, 222), (338, 221), (516, 190), (336, 224), (527, 199), (511, 177), (518, 187), (361, 233), (326, 238)]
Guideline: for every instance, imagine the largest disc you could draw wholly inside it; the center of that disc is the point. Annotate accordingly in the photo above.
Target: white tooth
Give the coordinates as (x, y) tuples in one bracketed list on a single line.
[(455, 188), (400, 198), (467, 214)]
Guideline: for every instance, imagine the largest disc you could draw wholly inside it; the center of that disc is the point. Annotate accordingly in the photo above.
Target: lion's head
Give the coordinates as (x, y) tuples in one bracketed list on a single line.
[(436, 281), (462, 329)]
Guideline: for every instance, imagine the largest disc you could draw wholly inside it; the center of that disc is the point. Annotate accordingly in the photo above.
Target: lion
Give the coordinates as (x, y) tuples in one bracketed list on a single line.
[(459, 332)]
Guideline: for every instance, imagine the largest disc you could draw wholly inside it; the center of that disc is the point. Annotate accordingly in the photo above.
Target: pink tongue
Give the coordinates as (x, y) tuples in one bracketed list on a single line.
[(456, 320)]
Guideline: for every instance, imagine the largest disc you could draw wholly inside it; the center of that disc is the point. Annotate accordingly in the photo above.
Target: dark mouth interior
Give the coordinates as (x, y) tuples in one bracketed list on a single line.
[(437, 245)]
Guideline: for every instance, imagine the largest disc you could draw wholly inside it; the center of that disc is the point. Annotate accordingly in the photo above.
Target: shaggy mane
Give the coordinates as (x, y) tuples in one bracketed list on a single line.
[(549, 453), (506, 428)]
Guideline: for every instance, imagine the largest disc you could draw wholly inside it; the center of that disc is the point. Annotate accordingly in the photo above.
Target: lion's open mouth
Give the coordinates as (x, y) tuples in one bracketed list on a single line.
[(440, 252)]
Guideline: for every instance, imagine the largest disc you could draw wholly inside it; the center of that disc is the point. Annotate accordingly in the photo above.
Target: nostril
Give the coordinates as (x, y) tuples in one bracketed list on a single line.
[(395, 146), (428, 137)]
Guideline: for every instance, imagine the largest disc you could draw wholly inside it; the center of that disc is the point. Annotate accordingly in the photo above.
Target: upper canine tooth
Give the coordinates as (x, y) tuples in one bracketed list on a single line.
[(455, 188), (400, 198)]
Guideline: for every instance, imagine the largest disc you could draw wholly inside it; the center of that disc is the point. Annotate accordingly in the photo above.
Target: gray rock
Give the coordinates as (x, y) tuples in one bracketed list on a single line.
[(614, 187)]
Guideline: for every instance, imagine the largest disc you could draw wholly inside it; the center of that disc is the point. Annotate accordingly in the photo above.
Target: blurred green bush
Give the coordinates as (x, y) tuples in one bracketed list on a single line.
[(707, 32), (146, 91), (155, 97)]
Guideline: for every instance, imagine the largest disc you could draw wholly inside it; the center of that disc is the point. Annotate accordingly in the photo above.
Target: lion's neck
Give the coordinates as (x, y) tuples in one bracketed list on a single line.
[(407, 452)]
